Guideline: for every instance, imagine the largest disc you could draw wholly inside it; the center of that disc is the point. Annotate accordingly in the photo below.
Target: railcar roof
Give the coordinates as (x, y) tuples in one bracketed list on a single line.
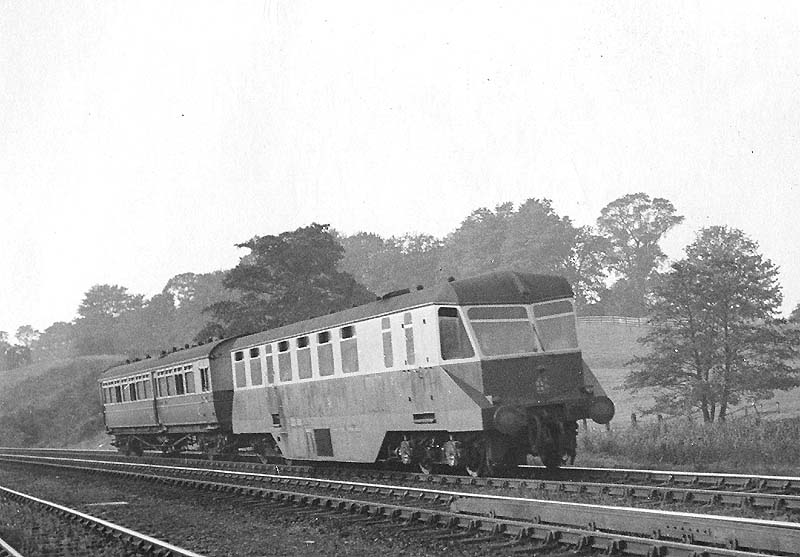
[(170, 359), (503, 287)]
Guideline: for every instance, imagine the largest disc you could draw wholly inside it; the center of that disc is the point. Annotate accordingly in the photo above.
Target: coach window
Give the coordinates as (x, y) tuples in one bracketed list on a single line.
[(408, 326), (270, 365), (205, 380), (189, 381), (180, 386), (140, 390), (349, 347), (284, 361), (325, 353), (256, 377), (132, 392), (386, 333), (164, 386), (238, 368), (453, 337)]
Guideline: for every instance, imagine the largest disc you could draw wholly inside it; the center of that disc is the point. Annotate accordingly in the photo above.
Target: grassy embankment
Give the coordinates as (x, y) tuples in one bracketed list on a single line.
[(766, 443), (53, 404)]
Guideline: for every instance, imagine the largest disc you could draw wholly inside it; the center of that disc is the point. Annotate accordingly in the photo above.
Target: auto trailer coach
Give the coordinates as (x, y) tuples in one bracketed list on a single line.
[(474, 373)]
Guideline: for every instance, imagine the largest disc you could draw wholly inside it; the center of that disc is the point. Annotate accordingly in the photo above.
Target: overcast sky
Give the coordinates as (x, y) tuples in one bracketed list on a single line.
[(139, 140)]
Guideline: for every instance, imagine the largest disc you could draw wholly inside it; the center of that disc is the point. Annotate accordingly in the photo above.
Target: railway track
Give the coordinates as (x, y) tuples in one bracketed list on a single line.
[(760, 483), (769, 495), (41, 527), (476, 518)]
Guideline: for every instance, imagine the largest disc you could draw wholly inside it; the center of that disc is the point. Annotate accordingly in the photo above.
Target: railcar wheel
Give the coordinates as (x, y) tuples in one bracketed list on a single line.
[(135, 448)]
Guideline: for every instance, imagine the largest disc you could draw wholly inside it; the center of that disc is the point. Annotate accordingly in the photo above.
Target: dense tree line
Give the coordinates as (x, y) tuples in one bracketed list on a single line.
[(314, 270)]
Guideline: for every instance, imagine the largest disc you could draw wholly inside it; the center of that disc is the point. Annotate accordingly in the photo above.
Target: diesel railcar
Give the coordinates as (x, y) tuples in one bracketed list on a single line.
[(474, 373)]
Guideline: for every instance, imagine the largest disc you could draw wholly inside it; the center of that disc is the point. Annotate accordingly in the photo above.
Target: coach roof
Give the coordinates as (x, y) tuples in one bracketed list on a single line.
[(504, 287), (170, 359)]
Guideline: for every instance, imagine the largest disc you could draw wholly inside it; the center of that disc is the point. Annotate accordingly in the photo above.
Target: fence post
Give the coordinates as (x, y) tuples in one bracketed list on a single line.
[(633, 419), (659, 423)]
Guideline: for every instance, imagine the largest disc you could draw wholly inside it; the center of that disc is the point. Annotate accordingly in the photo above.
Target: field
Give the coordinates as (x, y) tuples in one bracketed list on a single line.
[(608, 343)]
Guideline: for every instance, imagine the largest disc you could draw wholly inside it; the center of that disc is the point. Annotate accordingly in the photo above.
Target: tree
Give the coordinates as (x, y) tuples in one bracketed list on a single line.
[(383, 265), (105, 300), (285, 278), (475, 246), (96, 328), (57, 341), (633, 225), (538, 240), (17, 356), (27, 335), (714, 332)]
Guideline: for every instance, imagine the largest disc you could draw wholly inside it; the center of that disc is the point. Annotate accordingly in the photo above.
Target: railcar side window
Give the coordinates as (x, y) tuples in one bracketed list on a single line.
[(270, 368), (555, 322), (132, 392), (325, 353), (284, 361), (502, 330), (238, 369), (117, 393), (349, 347), (409, 329), (147, 393), (303, 358), (205, 380), (386, 327), (256, 376), (455, 343)]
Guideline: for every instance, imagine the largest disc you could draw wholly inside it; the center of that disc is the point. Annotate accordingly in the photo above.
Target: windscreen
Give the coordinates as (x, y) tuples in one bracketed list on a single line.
[(502, 330), (555, 322)]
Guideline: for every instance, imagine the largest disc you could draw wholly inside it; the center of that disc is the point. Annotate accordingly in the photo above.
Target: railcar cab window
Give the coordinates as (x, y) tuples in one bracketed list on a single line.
[(325, 353), (455, 343), (349, 347), (284, 361), (238, 369), (502, 330), (555, 323)]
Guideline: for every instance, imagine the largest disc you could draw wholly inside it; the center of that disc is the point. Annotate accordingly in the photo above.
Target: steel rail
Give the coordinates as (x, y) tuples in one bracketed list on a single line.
[(713, 479), (709, 532), (135, 538), (8, 551)]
